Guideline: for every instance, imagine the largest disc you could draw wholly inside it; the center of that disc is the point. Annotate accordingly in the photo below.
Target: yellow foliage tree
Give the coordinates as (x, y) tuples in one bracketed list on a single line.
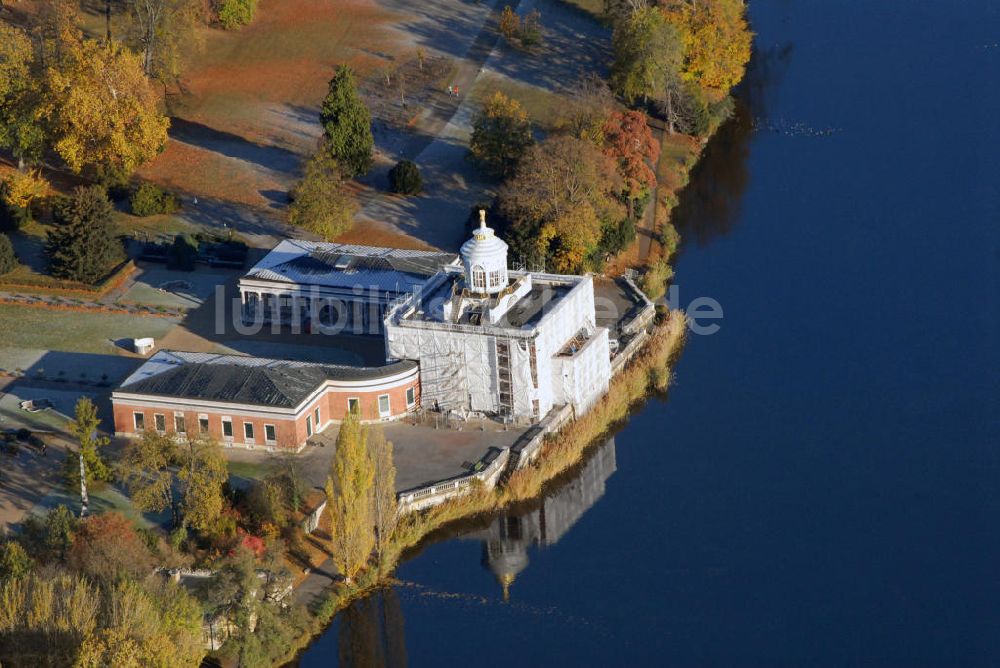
[(20, 189), (716, 40), (19, 129), (384, 504), (349, 499), (101, 109)]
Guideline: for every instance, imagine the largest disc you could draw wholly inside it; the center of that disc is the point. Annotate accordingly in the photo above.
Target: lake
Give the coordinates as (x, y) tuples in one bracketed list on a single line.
[(820, 485)]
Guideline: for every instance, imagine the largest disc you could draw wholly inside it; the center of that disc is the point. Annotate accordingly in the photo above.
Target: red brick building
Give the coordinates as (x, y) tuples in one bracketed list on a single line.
[(257, 403)]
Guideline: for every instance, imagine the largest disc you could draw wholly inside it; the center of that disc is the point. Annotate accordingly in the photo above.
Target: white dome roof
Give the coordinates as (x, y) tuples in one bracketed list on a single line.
[(485, 252)]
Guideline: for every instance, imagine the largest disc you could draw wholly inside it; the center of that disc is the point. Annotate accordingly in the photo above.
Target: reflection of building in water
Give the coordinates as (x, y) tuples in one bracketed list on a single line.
[(506, 541)]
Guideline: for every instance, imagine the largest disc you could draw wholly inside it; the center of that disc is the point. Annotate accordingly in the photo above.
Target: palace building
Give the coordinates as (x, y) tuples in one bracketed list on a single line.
[(467, 338), (255, 402), (505, 343)]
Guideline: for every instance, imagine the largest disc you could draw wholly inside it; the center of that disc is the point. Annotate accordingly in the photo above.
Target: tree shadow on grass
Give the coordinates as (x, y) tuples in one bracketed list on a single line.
[(234, 146)]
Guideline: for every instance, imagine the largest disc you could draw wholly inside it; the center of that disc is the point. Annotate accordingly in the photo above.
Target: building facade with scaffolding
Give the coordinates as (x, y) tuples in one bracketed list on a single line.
[(509, 344)]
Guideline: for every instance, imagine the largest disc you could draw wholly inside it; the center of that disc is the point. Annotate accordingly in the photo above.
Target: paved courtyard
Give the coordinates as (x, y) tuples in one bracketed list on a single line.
[(422, 453)]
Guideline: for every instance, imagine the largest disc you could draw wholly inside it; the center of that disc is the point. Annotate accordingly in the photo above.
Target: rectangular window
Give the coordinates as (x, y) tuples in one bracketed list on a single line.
[(140, 421), (269, 433), (160, 422), (383, 405), (179, 424), (316, 418), (227, 428), (353, 405), (309, 426), (203, 424), (411, 396), (248, 431)]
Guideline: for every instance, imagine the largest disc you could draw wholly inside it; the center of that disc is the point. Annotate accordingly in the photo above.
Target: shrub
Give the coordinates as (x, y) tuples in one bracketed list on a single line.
[(183, 253), (150, 200), (235, 14), (405, 178), (654, 281), (8, 259), (114, 178), (19, 192)]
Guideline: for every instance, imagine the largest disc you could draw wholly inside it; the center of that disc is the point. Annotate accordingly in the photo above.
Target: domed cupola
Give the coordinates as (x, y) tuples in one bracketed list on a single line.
[(485, 260)]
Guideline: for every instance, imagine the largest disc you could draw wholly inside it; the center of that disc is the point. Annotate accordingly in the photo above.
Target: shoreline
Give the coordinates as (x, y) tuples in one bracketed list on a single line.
[(649, 371)]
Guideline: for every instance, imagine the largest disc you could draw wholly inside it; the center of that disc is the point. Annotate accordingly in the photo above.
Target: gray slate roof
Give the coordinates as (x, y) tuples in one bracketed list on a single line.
[(243, 380), (349, 265)]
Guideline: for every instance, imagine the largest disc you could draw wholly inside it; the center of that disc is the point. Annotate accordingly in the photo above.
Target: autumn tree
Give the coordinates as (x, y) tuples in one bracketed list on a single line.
[(588, 103), (64, 620), (234, 14), (101, 111), (618, 10), (647, 52), (164, 33), (347, 124), (145, 470), (19, 190), (85, 248), (509, 23), (186, 478), (44, 620), (384, 504), (349, 499), (630, 143), (716, 40), (55, 31), (20, 131), (202, 472), (84, 429), (155, 623), (320, 202), (558, 198), (106, 547), (501, 133), (14, 560)]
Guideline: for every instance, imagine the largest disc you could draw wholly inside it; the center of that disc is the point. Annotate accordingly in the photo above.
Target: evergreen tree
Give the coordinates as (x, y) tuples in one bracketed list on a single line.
[(347, 124), (85, 248), (349, 499)]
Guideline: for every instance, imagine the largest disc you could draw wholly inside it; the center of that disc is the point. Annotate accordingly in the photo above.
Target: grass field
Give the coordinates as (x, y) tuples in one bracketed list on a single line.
[(74, 331), (259, 88), (595, 7), (542, 105)]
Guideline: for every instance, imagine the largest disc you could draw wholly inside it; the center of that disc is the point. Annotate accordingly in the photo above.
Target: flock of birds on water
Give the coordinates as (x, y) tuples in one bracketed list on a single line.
[(790, 128)]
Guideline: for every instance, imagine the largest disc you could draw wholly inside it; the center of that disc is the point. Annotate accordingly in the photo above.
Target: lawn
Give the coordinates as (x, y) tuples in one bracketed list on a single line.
[(542, 105), (74, 331), (594, 7)]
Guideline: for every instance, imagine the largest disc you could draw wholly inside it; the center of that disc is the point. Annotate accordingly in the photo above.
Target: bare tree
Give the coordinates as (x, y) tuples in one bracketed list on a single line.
[(590, 102), (163, 31)]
